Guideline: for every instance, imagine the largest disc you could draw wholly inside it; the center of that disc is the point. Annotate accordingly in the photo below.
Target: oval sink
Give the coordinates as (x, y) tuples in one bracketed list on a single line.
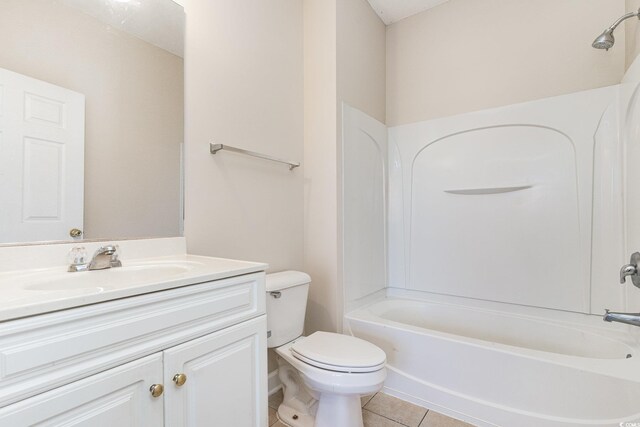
[(104, 280)]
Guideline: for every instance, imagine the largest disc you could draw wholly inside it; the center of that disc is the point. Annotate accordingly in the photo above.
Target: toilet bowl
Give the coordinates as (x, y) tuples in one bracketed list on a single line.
[(323, 375)]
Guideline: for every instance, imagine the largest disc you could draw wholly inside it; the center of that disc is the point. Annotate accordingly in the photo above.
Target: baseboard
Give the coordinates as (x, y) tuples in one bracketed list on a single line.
[(274, 384)]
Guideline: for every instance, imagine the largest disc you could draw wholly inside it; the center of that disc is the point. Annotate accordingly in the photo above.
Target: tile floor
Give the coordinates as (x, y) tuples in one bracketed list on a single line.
[(382, 410)]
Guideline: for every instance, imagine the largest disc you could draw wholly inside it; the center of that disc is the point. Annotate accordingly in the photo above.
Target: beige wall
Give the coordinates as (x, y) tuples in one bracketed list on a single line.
[(361, 41), (631, 32), (134, 112), (244, 87), (320, 160), (467, 55), (244, 83)]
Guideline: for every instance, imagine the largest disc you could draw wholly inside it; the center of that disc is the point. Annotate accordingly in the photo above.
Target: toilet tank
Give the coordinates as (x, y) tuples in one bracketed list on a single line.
[(286, 306)]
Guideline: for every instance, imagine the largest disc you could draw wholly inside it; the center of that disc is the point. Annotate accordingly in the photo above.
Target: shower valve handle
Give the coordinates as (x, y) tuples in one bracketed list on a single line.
[(631, 270)]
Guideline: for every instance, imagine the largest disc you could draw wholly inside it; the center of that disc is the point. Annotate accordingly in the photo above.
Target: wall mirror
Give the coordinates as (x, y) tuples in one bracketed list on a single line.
[(91, 119)]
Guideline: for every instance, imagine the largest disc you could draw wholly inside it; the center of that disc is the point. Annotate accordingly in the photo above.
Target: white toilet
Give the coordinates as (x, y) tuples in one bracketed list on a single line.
[(325, 374)]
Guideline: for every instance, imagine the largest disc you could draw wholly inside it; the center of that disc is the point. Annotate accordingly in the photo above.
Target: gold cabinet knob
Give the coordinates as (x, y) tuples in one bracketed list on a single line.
[(179, 379), (75, 233), (156, 390)]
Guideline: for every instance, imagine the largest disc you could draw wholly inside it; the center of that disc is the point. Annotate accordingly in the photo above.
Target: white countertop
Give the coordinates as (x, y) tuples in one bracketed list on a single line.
[(27, 292)]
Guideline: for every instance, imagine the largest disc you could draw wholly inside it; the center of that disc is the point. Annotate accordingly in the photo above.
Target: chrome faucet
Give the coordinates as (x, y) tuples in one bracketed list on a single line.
[(105, 257), (628, 270), (628, 318)]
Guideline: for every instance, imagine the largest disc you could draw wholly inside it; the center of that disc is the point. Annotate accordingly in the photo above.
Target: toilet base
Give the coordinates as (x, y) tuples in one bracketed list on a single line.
[(339, 410), (304, 407), (299, 405), (333, 410), (293, 418)]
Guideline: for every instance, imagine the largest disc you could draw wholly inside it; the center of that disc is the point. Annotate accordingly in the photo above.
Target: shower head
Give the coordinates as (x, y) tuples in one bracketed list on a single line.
[(606, 40)]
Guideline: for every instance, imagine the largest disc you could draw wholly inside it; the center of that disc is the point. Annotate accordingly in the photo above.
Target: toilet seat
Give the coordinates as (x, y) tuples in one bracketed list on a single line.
[(330, 380), (340, 353)]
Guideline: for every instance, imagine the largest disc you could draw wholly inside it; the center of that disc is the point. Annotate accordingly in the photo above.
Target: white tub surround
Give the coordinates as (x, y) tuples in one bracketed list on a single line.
[(364, 212), (168, 339), (492, 366), (506, 231), (34, 279), (519, 204)]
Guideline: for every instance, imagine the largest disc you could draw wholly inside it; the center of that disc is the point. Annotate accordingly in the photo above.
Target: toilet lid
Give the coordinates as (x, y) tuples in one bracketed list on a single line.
[(337, 352)]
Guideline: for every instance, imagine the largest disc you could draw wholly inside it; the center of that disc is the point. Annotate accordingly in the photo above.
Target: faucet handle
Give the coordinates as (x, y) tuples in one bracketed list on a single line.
[(631, 270), (77, 259), (77, 255), (627, 270)]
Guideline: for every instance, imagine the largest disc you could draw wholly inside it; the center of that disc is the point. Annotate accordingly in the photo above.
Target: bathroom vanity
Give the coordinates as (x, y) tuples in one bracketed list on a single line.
[(169, 339)]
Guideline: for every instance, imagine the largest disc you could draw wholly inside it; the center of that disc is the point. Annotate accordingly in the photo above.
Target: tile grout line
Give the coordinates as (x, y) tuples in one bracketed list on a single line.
[(390, 419), (369, 400), (425, 416)]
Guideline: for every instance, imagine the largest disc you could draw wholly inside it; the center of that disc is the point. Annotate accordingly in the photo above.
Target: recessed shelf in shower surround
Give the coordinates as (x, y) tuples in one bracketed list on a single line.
[(489, 190)]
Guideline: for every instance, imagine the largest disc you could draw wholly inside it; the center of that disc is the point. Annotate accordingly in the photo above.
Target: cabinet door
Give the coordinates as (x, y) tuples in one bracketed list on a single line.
[(226, 375), (117, 397)]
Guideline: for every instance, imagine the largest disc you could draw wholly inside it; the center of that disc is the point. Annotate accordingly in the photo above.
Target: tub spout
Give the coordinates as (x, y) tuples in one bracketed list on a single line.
[(628, 318)]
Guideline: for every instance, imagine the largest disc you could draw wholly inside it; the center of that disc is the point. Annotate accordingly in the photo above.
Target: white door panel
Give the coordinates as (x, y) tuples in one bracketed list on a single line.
[(117, 397), (226, 378), (42, 159)]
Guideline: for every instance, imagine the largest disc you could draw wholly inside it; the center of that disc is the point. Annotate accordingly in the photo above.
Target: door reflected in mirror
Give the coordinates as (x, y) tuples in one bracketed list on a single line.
[(91, 119)]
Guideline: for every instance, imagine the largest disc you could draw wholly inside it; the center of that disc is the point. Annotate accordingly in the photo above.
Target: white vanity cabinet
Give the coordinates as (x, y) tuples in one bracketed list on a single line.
[(117, 397), (225, 380), (204, 344)]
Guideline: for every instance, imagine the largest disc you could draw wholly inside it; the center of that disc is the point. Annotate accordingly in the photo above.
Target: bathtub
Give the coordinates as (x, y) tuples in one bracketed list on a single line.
[(492, 367)]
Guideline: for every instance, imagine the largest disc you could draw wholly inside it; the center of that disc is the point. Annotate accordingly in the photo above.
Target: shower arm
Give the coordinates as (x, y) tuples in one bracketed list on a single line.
[(623, 18)]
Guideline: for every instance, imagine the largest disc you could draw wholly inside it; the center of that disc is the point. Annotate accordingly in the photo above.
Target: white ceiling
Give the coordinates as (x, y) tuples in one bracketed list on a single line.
[(159, 22), (391, 11)]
